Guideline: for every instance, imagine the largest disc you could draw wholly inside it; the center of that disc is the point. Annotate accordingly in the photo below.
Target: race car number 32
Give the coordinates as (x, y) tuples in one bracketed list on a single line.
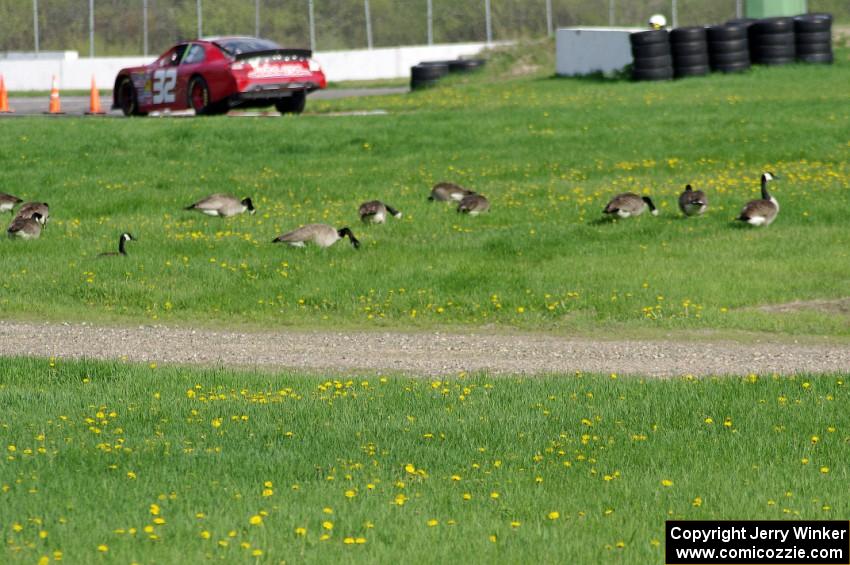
[(164, 81)]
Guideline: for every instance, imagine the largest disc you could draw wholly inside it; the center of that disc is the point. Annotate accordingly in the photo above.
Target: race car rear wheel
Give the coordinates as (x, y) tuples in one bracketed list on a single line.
[(126, 98), (199, 97), (293, 104)]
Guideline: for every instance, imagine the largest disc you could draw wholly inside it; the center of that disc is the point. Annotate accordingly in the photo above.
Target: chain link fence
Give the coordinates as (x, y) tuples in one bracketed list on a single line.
[(134, 27)]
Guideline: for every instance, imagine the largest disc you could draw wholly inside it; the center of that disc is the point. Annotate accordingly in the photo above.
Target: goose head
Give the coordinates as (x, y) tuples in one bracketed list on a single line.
[(250, 205)]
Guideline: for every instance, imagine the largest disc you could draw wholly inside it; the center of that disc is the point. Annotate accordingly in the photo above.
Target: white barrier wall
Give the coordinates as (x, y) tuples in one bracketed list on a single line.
[(585, 50), (73, 72)]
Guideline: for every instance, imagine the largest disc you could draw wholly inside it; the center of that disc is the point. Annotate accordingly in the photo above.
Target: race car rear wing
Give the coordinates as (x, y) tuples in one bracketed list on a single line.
[(300, 53)]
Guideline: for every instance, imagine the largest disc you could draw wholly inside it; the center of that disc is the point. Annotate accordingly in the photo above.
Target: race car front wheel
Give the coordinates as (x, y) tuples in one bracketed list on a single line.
[(199, 97), (293, 104), (126, 98)]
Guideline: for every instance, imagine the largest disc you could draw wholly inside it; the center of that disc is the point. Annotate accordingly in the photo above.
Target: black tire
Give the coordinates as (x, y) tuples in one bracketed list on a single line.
[(726, 32), (687, 34), (126, 98), (729, 58), (200, 99), (660, 62), (650, 50), (691, 71), (770, 51), (466, 65), (729, 46), (813, 22), (651, 36), (732, 67), (429, 71), (822, 58), (421, 83), (743, 22), (813, 37), (664, 73), (813, 48), (689, 48), (772, 39), (772, 25), (293, 104), (696, 60), (774, 61)]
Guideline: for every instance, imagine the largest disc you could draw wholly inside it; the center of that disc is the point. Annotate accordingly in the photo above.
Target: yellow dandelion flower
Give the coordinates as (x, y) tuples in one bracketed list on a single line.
[(267, 492), (360, 540), (824, 470), (103, 548), (348, 540), (257, 552), (159, 521), (328, 525), (554, 515), (17, 527), (432, 522), (154, 509), (467, 496), (494, 495), (43, 560), (697, 502), (205, 534), (666, 483), (493, 538), (256, 520), (350, 494), (300, 531), (516, 524), (410, 468)]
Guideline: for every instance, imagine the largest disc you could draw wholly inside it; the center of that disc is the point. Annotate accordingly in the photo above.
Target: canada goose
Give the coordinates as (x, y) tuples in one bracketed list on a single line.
[(473, 205), (8, 202), (448, 192), (29, 209), (629, 204), (376, 212), (223, 205), (761, 212), (322, 235), (26, 228), (125, 237), (692, 202)]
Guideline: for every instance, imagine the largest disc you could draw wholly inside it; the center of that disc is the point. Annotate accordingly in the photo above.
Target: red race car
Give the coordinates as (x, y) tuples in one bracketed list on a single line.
[(216, 74)]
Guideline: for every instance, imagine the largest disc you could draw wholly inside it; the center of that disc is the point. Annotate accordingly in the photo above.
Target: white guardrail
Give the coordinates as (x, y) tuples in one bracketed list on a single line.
[(23, 71)]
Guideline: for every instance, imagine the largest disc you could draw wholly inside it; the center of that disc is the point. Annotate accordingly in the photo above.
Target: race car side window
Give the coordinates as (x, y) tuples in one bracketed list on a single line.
[(196, 54), (172, 58)]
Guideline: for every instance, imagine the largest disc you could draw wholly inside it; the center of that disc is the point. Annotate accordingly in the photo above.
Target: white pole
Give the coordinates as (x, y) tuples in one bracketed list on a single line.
[(549, 18), (91, 29), (488, 21), (611, 13), (256, 18), (430, 22), (145, 25), (200, 20), (35, 23), (739, 9), (312, 22), (674, 10), (368, 24)]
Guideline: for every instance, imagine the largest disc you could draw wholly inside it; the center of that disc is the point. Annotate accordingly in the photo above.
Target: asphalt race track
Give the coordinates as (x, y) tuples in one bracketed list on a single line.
[(78, 105)]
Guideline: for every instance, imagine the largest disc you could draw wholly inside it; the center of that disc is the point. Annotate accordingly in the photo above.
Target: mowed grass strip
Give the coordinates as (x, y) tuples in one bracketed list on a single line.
[(547, 152), (168, 464)]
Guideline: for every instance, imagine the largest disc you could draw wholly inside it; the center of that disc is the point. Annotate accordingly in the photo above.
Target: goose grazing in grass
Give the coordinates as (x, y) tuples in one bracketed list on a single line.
[(376, 212), (26, 228), (125, 237), (692, 202), (322, 235), (8, 202), (448, 192), (630, 204), (761, 212), (223, 205), (473, 205), (30, 209)]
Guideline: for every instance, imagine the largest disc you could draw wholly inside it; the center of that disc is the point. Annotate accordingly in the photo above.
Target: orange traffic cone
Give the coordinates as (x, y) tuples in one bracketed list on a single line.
[(4, 98), (94, 104), (55, 105)]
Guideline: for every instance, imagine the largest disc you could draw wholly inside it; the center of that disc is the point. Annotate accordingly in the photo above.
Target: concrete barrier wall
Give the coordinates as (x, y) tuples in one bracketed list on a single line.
[(75, 73), (585, 50)]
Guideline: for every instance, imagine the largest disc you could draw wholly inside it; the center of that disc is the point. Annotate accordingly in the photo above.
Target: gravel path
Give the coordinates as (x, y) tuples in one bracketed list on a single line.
[(433, 353)]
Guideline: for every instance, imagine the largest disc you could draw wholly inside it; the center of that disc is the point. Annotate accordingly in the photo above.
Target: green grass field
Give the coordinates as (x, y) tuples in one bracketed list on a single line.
[(167, 465), (548, 152)]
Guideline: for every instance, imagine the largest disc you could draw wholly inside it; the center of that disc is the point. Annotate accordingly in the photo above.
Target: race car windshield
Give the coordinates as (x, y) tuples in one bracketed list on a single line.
[(239, 45)]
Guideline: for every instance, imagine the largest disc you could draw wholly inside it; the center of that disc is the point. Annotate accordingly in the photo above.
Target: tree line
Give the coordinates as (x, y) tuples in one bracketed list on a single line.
[(338, 24)]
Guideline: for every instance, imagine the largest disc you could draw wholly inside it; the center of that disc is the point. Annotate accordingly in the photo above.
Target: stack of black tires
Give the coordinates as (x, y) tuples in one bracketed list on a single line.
[(428, 73), (653, 59), (772, 41), (813, 38), (689, 47), (728, 47)]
